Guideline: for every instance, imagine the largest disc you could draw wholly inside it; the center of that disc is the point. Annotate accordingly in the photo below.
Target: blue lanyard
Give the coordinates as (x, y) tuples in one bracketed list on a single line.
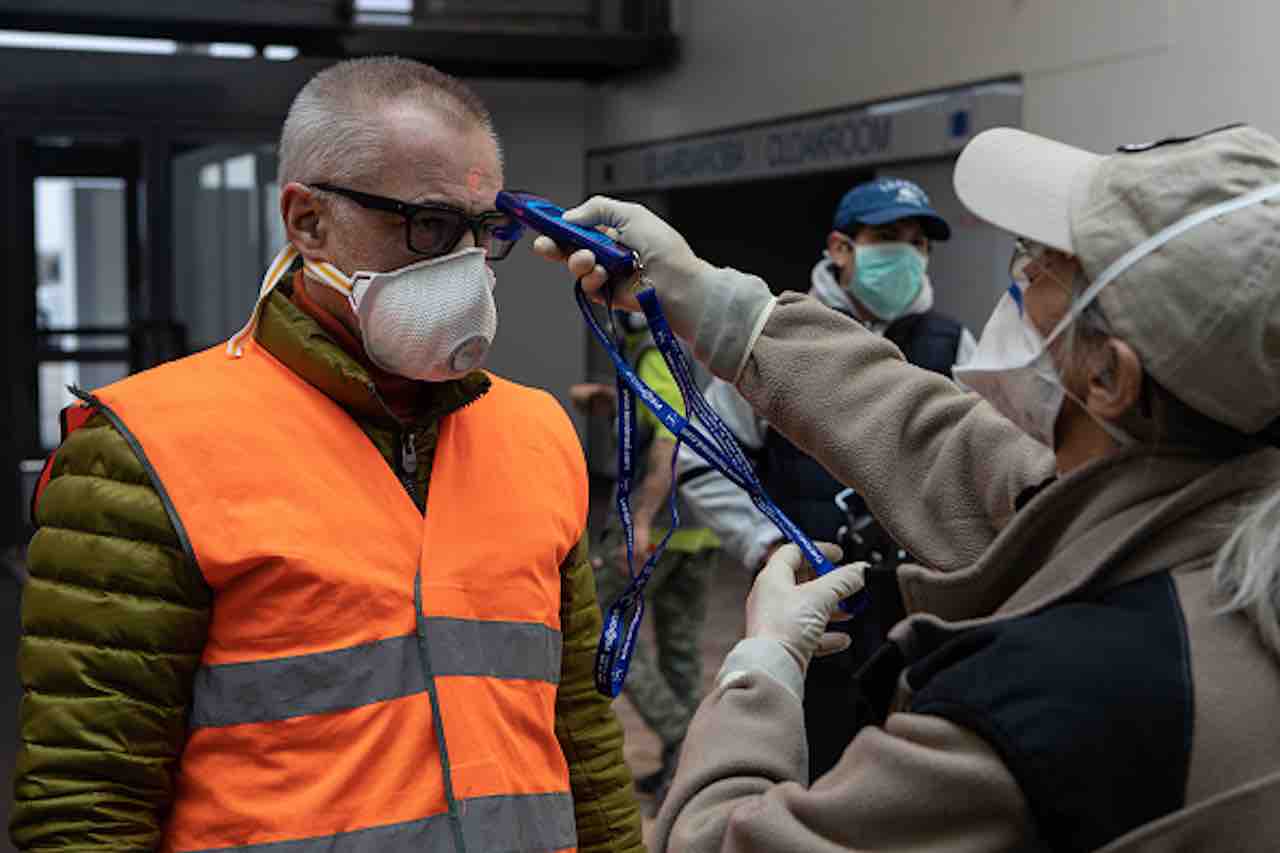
[(717, 446)]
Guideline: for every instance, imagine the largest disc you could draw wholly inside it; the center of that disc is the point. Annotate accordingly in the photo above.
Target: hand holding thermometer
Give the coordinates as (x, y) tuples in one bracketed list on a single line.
[(708, 437), (538, 214)]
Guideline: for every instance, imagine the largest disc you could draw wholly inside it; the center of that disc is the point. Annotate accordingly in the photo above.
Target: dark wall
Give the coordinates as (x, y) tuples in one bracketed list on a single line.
[(18, 396), (774, 229)]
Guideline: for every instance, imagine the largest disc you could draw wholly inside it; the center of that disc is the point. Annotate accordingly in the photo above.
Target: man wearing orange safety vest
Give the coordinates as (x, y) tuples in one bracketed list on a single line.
[(250, 624)]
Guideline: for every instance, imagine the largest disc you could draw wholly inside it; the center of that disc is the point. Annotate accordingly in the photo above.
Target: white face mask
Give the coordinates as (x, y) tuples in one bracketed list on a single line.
[(1012, 370), (431, 321)]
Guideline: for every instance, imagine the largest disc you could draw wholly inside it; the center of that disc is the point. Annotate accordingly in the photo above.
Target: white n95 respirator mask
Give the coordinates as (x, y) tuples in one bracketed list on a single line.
[(431, 321), (1012, 370)]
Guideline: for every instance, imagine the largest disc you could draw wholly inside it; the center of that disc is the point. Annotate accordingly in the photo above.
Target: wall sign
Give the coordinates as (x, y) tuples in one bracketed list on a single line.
[(890, 131)]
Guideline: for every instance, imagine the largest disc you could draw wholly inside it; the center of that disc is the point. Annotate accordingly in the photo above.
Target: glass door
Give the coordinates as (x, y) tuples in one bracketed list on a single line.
[(87, 248), (226, 230)]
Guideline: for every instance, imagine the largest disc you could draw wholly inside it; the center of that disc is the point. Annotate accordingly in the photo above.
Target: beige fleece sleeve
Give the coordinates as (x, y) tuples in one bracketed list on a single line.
[(920, 783), (938, 467)]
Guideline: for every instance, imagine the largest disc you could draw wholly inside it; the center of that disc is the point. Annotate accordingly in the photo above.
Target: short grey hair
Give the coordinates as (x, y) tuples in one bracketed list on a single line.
[(1247, 572), (332, 131)]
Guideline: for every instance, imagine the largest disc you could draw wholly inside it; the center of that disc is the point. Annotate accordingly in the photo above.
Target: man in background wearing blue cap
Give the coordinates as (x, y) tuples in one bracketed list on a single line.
[(874, 269)]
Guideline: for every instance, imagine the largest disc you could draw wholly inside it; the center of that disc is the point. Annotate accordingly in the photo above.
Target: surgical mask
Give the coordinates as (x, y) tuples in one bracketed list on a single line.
[(1011, 367), (887, 278), (431, 321)]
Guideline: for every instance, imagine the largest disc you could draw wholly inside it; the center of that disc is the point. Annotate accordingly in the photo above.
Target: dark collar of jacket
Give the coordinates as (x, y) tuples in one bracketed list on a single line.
[(299, 342), (1136, 512)]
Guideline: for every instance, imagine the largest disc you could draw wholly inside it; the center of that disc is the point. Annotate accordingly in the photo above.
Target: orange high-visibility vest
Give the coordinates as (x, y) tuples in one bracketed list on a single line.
[(330, 711)]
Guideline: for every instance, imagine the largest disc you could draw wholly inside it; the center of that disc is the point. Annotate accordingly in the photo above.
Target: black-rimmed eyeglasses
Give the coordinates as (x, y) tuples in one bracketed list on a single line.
[(435, 229)]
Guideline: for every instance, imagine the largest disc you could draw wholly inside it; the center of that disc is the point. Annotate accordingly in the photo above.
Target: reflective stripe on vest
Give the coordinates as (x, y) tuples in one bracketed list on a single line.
[(537, 822), (234, 693), (312, 724)]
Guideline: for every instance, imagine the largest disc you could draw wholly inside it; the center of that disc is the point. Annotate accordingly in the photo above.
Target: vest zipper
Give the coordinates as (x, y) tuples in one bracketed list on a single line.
[(408, 453), (404, 461), (406, 465)]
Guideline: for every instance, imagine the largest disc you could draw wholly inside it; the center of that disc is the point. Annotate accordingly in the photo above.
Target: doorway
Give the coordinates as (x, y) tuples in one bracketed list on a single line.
[(776, 229), (226, 230), (74, 241), (87, 242)]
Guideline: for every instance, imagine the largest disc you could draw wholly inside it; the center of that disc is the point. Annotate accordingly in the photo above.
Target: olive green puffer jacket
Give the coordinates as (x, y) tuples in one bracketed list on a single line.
[(115, 618)]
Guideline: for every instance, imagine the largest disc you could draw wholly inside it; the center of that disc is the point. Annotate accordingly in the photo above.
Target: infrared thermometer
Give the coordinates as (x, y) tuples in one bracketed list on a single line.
[(543, 216)]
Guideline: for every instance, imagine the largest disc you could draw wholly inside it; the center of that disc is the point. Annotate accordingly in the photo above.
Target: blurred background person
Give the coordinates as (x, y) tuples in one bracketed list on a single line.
[(875, 270)]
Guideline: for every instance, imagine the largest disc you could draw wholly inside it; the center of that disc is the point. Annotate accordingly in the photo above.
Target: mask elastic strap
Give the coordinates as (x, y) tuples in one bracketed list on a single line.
[(325, 273), (1122, 438), (275, 272), (1121, 264), (1052, 377), (330, 276)]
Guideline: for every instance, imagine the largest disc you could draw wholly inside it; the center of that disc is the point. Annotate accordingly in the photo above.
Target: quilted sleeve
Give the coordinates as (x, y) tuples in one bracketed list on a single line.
[(608, 816), (114, 619)]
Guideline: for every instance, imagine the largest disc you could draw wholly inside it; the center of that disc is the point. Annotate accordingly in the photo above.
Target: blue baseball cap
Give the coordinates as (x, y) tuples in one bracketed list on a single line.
[(888, 200)]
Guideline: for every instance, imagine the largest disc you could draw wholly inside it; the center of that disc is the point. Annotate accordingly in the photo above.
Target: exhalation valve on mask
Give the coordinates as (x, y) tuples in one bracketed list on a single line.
[(470, 354)]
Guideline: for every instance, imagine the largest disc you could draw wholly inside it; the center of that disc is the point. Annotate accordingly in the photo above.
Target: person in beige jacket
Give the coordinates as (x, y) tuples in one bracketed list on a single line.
[(1085, 665)]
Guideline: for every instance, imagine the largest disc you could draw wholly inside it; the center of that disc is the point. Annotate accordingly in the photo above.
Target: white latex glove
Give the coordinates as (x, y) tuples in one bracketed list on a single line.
[(670, 266), (796, 614)]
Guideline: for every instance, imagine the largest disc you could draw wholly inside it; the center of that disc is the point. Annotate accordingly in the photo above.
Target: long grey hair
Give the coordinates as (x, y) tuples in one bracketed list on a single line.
[(1247, 572)]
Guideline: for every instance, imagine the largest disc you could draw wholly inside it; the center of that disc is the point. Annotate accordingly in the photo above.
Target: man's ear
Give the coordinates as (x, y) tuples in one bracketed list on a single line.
[(1115, 380), (306, 220)]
